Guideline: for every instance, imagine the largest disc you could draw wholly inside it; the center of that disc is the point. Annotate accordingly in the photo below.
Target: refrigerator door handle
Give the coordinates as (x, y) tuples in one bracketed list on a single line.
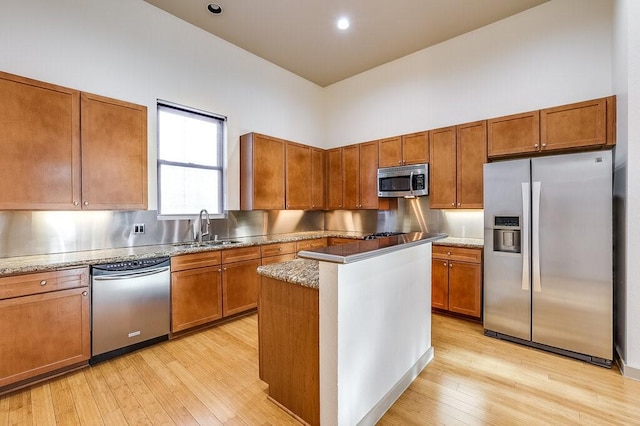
[(525, 234), (535, 237)]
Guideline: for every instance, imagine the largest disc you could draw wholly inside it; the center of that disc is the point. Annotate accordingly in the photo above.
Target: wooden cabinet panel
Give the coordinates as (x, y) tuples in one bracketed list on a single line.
[(471, 156), (440, 284), (334, 179), (277, 259), (43, 282), (196, 297), (368, 176), (262, 162), (309, 244), (513, 134), (579, 125), (114, 154), (415, 148), (277, 249), (351, 176), (40, 145), (195, 260), (239, 286), (240, 254), (390, 152), (463, 254), (442, 185), (318, 178), (298, 176), (465, 288), (336, 241), (43, 333)]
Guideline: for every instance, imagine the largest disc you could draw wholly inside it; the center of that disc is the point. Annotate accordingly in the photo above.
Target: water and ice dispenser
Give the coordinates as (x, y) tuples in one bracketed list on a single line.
[(506, 234)]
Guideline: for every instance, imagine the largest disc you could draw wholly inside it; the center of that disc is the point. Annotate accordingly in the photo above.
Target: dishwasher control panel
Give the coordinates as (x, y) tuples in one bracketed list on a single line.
[(132, 265)]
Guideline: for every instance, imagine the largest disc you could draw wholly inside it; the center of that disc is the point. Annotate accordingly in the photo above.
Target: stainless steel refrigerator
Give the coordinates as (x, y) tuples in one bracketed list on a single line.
[(548, 279)]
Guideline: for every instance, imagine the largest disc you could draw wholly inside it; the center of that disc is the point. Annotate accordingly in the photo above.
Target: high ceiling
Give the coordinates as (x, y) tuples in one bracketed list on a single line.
[(301, 35)]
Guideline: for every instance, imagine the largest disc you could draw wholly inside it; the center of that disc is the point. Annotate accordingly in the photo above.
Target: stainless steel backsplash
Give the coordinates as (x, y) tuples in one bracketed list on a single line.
[(33, 232)]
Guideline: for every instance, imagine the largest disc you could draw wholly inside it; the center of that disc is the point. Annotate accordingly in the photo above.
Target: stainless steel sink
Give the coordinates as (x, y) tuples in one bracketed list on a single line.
[(213, 243)]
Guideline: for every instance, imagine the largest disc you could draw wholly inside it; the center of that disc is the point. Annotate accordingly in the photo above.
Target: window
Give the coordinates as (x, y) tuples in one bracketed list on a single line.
[(190, 161)]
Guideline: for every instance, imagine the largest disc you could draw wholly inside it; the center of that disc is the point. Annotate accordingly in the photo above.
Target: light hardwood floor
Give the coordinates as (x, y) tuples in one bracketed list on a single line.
[(211, 378)]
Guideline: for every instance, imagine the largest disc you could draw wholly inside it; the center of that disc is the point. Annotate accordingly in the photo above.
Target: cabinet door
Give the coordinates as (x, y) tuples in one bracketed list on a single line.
[(390, 152), (261, 172), (334, 179), (442, 184), (351, 171), (465, 288), (471, 156), (578, 125), (513, 134), (318, 178), (43, 333), (298, 176), (196, 297), (439, 284), (415, 148), (114, 154), (239, 286), (40, 145), (368, 165)]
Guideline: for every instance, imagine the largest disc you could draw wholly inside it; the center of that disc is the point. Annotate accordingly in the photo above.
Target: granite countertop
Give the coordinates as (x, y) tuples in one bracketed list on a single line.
[(304, 272), (460, 242)]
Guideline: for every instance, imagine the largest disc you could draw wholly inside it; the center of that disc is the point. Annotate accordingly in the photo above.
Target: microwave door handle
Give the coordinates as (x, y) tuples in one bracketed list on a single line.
[(411, 182)]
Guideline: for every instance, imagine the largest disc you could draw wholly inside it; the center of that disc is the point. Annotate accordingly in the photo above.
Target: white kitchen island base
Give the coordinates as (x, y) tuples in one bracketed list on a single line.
[(375, 332)]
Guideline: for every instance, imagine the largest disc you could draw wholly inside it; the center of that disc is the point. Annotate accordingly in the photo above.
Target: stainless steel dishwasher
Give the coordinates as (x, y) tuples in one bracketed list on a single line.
[(130, 306)]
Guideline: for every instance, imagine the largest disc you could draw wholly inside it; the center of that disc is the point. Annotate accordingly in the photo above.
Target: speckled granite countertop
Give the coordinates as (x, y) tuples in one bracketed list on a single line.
[(300, 271), (460, 242), (49, 262)]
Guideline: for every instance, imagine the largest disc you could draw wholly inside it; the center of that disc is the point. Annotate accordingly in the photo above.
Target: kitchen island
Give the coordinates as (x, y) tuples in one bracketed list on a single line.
[(345, 330)]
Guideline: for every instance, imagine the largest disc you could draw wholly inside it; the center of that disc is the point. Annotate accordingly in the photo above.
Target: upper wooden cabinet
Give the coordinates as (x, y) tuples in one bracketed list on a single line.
[(578, 126), (114, 154), (360, 168), (262, 184), (406, 149), (42, 137), (334, 178), (457, 157), (514, 134), (318, 178), (298, 179)]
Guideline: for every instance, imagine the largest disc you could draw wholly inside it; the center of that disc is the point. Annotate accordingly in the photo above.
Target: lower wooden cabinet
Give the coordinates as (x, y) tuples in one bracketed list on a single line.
[(239, 286), (278, 252), (44, 323), (456, 280), (196, 297)]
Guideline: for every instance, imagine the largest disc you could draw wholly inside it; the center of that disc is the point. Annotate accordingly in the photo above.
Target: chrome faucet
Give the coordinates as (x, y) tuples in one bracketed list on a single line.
[(202, 233)]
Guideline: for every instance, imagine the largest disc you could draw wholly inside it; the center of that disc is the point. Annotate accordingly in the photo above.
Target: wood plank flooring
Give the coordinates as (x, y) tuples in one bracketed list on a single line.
[(211, 378)]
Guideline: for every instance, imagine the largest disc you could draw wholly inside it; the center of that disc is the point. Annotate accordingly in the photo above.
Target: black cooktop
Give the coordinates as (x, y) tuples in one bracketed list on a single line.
[(381, 235)]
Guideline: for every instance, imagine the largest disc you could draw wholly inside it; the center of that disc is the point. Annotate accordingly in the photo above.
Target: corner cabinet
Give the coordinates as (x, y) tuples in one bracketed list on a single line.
[(456, 280), (457, 155), (44, 324), (56, 141)]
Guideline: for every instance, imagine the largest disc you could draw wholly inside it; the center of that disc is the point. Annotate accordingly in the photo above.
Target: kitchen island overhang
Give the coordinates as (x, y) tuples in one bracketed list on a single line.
[(374, 322)]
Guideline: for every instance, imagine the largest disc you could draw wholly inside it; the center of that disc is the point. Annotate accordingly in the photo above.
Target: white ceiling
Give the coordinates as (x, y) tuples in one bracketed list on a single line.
[(301, 35)]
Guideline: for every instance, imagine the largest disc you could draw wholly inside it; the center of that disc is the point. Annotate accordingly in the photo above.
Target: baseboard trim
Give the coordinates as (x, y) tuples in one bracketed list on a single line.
[(387, 401), (627, 371)]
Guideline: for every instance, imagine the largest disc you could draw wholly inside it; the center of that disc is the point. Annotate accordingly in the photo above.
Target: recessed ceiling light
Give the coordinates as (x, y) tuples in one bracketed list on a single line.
[(343, 23), (216, 9)]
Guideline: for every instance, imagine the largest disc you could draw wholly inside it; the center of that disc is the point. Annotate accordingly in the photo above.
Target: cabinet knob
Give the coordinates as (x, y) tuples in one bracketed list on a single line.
[(451, 265), (43, 282), (75, 203), (535, 145), (544, 144), (84, 293), (458, 204), (444, 263), (400, 162), (448, 253), (86, 203), (224, 269), (280, 249), (219, 270), (453, 204)]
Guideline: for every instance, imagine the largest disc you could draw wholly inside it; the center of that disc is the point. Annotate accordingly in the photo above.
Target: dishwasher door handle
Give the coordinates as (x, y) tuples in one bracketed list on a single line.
[(130, 274)]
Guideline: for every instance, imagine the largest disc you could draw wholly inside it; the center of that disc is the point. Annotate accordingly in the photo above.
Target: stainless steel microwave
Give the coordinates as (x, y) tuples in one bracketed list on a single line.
[(403, 181)]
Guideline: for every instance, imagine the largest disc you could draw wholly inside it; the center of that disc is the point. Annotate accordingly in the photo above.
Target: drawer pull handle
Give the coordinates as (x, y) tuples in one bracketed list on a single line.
[(43, 282), (84, 293)]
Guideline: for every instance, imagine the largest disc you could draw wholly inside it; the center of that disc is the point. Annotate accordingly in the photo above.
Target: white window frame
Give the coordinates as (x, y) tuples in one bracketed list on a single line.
[(222, 193)]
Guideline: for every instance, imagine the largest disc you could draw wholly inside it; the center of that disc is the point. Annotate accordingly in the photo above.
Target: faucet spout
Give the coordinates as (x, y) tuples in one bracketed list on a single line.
[(206, 224)]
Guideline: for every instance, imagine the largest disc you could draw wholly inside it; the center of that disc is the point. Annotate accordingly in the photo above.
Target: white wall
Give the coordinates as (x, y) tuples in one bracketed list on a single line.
[(627, 182), (553, 54), (130, 50)]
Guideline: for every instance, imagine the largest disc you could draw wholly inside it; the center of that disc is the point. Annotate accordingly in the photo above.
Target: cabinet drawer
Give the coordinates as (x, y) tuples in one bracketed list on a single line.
[(22, 285), (240, 254), (277, 259), (462, 254), (336, 241), (278, 249), (195, 260), (309, 244)]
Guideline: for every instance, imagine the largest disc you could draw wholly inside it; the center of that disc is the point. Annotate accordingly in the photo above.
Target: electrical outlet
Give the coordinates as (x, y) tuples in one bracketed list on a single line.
[(138, 228)]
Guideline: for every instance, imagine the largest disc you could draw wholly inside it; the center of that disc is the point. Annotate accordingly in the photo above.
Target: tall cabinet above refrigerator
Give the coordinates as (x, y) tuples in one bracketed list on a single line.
[(548, 278)]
